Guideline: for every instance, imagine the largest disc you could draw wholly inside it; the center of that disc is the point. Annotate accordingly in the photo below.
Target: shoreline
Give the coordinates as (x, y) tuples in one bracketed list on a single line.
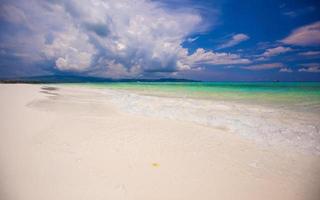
[(264, 124), (264, 98), (76, 143)]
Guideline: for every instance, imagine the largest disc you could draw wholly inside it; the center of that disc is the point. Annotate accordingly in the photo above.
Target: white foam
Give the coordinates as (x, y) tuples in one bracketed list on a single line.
[(266, 125)]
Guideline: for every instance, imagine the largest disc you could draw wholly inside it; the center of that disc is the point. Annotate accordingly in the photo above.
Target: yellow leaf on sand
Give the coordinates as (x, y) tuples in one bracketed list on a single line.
[(155, 164)]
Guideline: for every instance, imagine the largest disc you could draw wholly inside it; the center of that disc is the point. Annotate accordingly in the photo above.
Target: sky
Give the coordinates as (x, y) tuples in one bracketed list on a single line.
[(210, 40)]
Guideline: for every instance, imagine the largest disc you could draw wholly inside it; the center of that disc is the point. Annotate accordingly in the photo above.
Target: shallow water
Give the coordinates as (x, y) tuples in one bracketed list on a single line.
[(301, 96), (269, 113)]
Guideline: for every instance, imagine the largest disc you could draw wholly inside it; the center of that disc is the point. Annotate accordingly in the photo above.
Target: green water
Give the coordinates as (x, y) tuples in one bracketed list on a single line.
[(305, 95)]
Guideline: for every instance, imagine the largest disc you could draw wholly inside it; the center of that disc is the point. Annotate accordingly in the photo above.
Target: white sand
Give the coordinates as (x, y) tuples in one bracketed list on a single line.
[(75, 144)]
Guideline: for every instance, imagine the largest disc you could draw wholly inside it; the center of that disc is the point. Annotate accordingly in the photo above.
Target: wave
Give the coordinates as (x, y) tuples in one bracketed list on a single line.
[(264, 124)]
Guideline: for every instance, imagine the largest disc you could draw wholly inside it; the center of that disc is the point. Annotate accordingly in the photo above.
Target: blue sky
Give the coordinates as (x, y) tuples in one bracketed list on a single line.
[(213, 40)]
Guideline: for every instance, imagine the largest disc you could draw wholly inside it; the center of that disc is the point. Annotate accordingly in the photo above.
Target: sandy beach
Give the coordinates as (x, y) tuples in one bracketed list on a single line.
[(69, 142)]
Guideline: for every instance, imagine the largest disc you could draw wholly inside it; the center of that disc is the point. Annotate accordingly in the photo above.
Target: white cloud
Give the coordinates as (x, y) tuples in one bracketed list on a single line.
[(308, 35), (71, 50), (310, 53), (192, 39), (292, 14), (276, 51), (236, 39), (12, 14), (267, 66), (112, 37), (286, 70), (299, 12), (310, 67), (202, 57)]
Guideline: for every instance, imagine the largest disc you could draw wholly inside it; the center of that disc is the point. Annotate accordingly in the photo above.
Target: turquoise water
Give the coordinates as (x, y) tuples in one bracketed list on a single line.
[(269, 113), (300, 95)]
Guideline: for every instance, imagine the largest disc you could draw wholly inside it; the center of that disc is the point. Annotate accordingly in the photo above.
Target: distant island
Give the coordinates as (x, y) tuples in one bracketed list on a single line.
[(83, 79)]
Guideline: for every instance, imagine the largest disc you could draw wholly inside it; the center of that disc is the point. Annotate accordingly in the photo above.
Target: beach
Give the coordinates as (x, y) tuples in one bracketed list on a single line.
[(79, 142)]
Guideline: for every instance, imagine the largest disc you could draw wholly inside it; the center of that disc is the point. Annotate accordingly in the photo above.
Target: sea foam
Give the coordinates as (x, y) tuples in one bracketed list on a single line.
[(263, 124)]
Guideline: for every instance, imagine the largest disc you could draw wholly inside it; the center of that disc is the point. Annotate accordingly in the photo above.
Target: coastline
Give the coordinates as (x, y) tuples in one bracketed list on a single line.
[(84, 143), (293, 125)]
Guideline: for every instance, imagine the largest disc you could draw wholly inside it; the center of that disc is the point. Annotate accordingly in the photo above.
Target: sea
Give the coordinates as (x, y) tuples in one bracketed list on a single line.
[(269, 113)]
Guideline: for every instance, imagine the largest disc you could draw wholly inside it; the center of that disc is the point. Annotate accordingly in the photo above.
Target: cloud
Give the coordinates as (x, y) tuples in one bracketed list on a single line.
[(299, 12), (203, 57), (12, 14), (192, 39), (310, 67), (286, 70), (292, 14), (107, 38), (236, 39), (310, 53), (71, 50), (308, 35), (267, 66), (276, 51)]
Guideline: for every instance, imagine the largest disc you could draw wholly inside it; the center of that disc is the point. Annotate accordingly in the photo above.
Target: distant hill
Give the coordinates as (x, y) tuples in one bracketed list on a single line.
[(83, 79)]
